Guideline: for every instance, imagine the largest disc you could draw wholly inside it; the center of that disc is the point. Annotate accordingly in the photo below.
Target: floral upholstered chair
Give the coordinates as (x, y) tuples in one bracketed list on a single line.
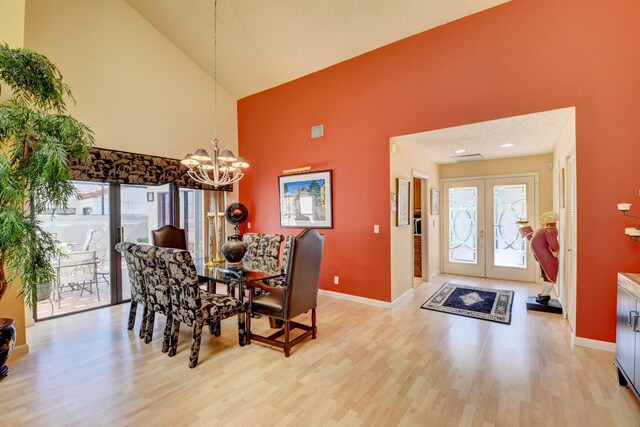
[(193, 306), (138, 294), (156, 286)]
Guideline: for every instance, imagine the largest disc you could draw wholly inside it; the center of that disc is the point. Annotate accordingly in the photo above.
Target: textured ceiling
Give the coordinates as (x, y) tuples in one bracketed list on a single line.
[(530, 134), (264, 43)]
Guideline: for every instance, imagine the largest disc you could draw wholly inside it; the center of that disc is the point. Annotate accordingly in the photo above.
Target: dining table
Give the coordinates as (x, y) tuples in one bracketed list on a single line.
[(234, 276)]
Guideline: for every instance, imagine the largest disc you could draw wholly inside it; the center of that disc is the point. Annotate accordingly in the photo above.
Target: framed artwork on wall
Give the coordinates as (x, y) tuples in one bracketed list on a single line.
[(402, 210), (435, 202), (306, 200)]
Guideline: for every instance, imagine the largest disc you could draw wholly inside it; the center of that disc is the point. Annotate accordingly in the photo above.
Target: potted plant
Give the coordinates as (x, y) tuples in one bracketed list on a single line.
[(37, 139)]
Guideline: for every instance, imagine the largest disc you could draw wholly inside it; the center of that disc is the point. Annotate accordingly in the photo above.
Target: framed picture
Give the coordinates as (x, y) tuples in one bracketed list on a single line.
[(306, 200), (402, 210), (435, 202)]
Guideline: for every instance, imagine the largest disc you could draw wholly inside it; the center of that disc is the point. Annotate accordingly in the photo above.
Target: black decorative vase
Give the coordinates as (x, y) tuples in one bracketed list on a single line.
[(7, 343), (234, 249)]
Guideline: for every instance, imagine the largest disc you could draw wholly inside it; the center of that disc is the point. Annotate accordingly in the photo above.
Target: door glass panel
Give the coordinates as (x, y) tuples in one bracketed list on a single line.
[(142, 209), (509, 206), (82, 231), (463, 230)]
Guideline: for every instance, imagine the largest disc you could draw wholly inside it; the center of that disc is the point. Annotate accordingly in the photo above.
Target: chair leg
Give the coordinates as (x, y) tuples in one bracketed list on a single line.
[(173, 344), (314, 330), (132, 315), (151, 318), (195, 347), (143, 327), (287, 347), (98, 288), (166, 336), (242, 331), (215, 328)]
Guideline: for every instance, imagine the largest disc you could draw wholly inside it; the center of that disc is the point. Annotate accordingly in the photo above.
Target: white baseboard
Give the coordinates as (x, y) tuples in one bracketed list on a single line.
[(354, 298), (402, 298), (589, 343), (21, 349)]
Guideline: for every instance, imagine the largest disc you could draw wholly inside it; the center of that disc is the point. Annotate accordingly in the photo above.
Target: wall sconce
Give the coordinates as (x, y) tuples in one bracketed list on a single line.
[(632, 232)]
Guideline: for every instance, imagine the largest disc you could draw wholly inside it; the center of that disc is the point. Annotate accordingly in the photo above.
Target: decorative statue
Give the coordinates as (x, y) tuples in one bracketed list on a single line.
[(545, 247)]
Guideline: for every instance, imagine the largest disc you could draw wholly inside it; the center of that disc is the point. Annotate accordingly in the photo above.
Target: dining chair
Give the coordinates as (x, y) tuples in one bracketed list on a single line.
[(298, 295), (169, 236), (194, 307), (155, 283), (138, 293)]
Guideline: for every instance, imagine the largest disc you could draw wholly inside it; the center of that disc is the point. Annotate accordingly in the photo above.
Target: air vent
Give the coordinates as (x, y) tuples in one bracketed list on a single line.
[(468, 158)]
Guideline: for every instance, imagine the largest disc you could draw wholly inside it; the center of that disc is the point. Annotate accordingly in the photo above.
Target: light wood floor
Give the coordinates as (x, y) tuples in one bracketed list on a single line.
[(369, 366)]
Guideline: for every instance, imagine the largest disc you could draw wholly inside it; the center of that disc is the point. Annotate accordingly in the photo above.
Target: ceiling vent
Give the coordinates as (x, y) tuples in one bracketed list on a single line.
[(468, 158)]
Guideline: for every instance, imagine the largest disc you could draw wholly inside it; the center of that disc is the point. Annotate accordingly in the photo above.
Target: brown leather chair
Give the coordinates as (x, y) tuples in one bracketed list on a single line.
[(169, 237), (299, 294)]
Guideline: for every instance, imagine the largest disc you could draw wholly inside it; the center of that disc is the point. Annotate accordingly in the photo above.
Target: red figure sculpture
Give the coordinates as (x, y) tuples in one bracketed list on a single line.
[(545, 247)]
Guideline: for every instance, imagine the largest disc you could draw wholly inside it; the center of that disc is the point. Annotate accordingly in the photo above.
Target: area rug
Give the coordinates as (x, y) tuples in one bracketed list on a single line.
[(480, 303)]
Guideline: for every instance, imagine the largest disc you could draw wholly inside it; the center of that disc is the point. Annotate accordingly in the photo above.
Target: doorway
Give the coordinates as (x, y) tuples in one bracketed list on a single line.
[(481, 233), (420, 229)]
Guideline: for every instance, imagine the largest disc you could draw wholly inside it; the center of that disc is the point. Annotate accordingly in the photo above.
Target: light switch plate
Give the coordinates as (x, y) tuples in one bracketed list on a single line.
[(376, 228)]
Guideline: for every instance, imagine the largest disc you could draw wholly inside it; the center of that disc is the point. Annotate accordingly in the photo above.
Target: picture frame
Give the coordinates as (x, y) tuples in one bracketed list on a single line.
[(306, 200), (403, 202), (435, 202)]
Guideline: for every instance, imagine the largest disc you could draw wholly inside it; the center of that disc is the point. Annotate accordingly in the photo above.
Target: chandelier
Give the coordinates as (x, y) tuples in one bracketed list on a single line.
[(222, 168)]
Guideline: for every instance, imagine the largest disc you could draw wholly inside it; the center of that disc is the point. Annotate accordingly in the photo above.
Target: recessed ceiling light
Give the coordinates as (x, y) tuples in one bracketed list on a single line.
[(506, 145), (460, 151)]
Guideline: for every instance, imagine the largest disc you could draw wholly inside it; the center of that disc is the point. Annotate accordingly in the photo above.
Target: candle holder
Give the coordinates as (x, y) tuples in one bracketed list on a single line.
[(211, 216), (219, 237)]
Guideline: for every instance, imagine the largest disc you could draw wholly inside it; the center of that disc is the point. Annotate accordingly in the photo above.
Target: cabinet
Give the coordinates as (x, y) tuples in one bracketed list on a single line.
[(628, 331), (417, 255)]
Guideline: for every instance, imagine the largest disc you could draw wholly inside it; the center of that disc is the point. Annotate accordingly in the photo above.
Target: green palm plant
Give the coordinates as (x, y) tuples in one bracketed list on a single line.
[(37, 140)]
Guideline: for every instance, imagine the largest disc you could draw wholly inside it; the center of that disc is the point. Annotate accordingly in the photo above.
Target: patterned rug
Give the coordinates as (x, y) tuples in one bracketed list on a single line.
[(481, 303)]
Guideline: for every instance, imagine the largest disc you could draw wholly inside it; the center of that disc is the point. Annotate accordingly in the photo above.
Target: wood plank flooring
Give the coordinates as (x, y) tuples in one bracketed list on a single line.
[(369, 366)]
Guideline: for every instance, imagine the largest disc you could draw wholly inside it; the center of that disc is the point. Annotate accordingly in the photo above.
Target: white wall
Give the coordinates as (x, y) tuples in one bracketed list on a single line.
[(403, 162), (565, 146)]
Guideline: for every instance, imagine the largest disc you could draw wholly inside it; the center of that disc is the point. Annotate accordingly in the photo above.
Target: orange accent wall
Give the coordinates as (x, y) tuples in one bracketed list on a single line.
[(521, 57)]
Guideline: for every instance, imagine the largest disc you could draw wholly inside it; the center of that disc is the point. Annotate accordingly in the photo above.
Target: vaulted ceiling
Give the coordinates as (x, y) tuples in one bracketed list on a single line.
[(264, 43)]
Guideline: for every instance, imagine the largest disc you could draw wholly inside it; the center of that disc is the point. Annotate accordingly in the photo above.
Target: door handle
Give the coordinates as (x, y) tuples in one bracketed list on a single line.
[(631, 316), (635, 323)]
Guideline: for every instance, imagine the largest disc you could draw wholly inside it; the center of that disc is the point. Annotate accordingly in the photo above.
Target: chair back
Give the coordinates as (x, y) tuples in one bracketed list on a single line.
[(286, 251), (186, 304), (169, 237), (252, 240), (268, 257), (154, 276), (303, 273), (76, 267), (87, 240), (138, 294)]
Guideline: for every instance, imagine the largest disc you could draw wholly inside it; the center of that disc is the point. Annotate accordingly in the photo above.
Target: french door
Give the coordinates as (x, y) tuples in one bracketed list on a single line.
[(480, 231)]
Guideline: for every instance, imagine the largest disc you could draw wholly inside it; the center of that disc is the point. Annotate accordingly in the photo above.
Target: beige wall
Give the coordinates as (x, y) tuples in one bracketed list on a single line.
[(512, 165), (12, 32), (134, 88), (404, 162)]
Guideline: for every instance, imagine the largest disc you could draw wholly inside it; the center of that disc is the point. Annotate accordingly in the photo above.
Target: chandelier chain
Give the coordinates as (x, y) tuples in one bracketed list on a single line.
[(215, 68)]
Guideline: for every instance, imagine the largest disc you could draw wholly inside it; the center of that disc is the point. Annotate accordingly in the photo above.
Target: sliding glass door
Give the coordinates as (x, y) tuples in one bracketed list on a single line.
[(91, 273), (83, 273)]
